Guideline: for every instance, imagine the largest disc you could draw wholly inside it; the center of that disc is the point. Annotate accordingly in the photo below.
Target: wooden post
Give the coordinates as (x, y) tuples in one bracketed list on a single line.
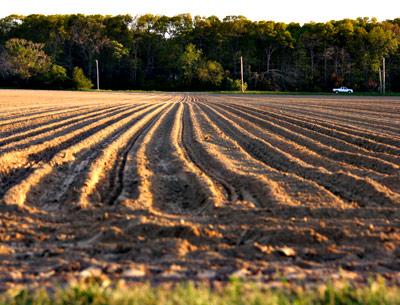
[(380, 80), (98, 78), (383, 76), (241, 73)]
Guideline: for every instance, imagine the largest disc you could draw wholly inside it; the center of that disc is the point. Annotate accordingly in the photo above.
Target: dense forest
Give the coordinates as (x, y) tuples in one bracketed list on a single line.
[(185, 53)]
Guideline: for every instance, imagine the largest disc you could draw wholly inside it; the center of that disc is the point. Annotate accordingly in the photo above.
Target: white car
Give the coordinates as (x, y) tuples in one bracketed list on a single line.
[(342, 90)]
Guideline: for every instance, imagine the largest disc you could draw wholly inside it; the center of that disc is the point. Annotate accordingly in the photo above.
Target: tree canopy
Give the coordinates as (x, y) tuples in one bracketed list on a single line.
[(200, 53)]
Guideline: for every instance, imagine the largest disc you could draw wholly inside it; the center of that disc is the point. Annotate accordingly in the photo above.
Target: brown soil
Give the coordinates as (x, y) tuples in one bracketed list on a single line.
[(165, 187)]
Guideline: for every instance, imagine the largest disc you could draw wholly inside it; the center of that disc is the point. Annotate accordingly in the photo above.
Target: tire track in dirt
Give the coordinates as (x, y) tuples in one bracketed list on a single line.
[(104, 179), (251, 180), (364, 191), (78, 179), (19, 192), (160, 177), (48, 141), (17, 165)]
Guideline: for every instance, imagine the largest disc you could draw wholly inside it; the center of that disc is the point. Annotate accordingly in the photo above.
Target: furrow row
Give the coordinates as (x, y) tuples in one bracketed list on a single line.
[(368, 140), (167, 181), (73, 158), (363, 191), (16, 164), (328, 136), (10, 126), (251, 180), (363, 138), (104, 179), (351, 130), (380, 124), (51, 127), (312, 149)]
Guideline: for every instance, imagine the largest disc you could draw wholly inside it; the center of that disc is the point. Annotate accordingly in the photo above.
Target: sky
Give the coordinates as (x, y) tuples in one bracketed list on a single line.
[(277, 10)]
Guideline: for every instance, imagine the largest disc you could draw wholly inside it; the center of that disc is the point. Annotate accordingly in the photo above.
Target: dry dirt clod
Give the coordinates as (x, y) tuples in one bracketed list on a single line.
[(5, 250), (286, 251), (134, 272)]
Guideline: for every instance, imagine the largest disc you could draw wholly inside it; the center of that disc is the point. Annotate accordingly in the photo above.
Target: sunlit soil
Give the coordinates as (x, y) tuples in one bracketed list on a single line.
[(194, 186)]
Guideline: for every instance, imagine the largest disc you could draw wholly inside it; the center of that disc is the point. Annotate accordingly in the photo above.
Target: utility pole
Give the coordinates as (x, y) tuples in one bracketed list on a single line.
[(380, 80), (383, 76), (98, 78), (241, 72)]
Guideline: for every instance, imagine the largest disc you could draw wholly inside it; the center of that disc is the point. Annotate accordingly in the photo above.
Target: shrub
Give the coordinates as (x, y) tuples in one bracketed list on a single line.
[(211, 73), (80, 80), (235, 85), (55, 77)]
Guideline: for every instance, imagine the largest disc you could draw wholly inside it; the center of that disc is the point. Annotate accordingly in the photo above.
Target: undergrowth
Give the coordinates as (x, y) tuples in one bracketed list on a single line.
[(234, 293)]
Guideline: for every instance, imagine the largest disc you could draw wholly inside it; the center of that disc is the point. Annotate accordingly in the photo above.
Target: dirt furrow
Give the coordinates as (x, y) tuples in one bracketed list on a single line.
[(252, 180), (353, 109), (350, 130), (18, 193), (42, 129), (76, 181), (13, 113), (390, 143), (103, 179), (159, 176), (370, 124), (287, 107), (42, 142), (15, 165), (363, 191), (315, 153), (40, 139), (202, 186), (324, 140), (347, 132), (346, 112), (220, 191), (7, 127), (347, 128), (311, 150)]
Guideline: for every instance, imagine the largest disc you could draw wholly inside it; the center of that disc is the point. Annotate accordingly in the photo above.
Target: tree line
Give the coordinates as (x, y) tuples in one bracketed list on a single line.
[(196, 53)]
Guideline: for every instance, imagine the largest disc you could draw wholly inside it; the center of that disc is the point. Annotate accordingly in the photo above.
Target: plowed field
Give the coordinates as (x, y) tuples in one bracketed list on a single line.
[(196, 186)]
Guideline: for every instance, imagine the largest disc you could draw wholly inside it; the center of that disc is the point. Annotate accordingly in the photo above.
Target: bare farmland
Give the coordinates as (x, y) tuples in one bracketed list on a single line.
[(196, 186)]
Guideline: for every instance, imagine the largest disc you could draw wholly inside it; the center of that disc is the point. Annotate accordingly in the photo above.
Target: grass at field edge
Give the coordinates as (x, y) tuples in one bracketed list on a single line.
[(233, 293)]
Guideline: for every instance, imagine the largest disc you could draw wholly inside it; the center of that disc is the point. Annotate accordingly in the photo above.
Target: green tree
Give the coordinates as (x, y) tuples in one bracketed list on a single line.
[(181, 52), (190, 63), (210, 73), (26, 59)]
